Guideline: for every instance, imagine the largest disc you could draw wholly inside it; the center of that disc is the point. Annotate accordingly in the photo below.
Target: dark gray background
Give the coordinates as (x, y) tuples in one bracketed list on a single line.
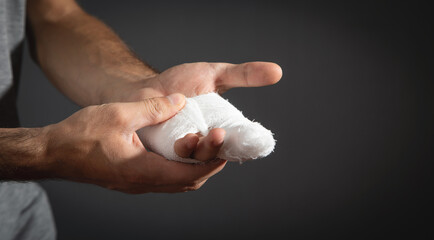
[(352, 115)]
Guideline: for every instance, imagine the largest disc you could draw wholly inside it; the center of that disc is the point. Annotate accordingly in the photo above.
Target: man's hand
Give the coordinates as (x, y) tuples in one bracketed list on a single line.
[(91, 65), (194, 79), (99, 145)]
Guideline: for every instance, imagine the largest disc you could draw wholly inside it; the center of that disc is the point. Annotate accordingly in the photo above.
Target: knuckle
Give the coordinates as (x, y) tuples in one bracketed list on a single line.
[(155, 109), (116, 114)]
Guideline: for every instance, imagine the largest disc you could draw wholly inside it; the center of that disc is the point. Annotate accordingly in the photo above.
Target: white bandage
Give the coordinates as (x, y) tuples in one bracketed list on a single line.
[(244, 139)]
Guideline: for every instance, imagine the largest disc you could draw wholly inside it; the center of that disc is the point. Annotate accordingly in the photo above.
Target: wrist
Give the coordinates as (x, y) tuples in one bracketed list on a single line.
[(61, 152), (45, 163), (38, 165), (23, 155)]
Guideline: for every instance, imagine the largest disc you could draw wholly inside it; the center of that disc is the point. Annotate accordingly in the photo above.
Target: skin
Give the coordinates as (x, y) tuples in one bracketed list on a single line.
[(198, 78), (99, 145), (120, 94), (118, 160)]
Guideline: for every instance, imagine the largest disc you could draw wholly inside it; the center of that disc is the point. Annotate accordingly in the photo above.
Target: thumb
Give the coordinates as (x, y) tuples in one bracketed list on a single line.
[(154, 110), (250, 74)]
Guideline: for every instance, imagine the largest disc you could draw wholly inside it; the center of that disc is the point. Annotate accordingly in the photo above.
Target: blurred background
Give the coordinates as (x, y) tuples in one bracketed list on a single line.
[(352, 115)]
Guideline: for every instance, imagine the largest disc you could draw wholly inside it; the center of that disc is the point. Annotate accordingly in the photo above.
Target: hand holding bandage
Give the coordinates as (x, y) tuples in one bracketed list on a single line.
[(244, 139)]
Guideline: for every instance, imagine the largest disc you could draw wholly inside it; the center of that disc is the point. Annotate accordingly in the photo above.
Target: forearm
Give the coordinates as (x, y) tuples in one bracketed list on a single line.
[(82, 57), (23, 154)]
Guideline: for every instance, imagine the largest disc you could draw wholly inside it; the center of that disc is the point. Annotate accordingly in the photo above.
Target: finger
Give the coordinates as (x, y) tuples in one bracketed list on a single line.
[(177, 173), (179, 188), (185, 146), (153, 110), (209, 146), (251, 74), (139, 188)]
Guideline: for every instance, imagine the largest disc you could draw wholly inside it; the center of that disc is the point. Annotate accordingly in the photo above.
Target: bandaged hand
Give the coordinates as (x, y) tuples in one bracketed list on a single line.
[(194, 79), (244, 140), (99, 145)]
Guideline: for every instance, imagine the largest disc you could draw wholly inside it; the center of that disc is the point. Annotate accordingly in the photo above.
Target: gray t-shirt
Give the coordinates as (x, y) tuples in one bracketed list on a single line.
[(24, 209), (12, 19)]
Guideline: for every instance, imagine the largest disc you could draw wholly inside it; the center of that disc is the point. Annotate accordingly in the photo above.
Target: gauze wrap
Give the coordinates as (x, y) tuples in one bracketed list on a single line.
[(244, 139)]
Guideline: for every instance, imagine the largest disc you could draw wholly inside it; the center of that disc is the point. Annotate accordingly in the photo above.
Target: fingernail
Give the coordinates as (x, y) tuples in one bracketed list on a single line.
[(176, 98)]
